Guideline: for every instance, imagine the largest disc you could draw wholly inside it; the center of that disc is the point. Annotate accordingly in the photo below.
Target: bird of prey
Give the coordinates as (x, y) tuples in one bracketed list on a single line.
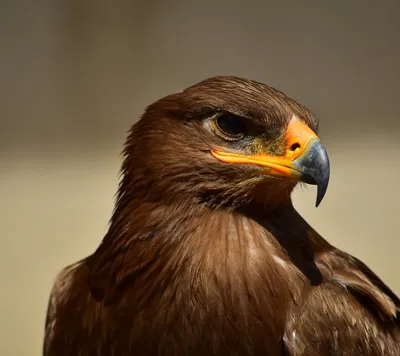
[(205, 253)]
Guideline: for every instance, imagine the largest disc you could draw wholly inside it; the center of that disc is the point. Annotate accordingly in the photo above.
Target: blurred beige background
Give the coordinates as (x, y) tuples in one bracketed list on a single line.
[(76, 74)]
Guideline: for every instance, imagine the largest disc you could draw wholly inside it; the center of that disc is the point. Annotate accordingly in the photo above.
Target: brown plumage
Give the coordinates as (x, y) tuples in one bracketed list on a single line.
[(205, 255)]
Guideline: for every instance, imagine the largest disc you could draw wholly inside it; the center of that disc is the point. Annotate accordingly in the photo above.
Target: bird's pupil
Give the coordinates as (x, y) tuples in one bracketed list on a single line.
[(231, 125)]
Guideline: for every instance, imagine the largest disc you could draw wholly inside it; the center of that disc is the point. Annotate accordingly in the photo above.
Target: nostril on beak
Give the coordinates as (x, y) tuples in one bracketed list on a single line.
[(295, 146)]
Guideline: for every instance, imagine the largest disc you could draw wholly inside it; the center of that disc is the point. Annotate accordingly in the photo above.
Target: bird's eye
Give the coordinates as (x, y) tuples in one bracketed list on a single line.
[(230, 127)]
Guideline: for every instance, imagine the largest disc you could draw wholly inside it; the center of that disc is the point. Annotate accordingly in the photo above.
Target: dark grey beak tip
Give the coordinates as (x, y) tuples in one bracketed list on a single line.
[(315, 167), (322, 187)]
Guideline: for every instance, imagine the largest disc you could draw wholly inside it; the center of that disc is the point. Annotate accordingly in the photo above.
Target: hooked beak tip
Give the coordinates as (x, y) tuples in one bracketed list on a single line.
[(314, 166)]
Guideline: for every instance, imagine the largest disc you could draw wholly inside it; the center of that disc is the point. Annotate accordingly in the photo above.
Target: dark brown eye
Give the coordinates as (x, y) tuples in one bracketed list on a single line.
[(230, 127)]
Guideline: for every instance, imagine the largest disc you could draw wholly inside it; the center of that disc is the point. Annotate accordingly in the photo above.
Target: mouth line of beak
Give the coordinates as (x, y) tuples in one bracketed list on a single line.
[(274, 165)]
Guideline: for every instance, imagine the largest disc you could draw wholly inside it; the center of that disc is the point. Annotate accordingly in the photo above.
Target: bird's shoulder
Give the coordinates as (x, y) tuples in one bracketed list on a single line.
[(352, 309), (60, 295), (361, 282)]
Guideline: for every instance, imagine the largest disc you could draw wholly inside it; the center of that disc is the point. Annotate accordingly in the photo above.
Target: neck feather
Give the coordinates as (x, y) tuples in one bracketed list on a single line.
[(156, 244)]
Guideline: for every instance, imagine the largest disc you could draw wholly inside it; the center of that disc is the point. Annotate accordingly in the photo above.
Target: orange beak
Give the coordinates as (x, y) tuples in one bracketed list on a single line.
[(305, 158)]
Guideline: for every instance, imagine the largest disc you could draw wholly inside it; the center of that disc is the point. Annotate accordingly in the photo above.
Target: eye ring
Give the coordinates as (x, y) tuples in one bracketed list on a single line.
[(230, 127)]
